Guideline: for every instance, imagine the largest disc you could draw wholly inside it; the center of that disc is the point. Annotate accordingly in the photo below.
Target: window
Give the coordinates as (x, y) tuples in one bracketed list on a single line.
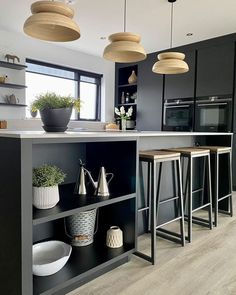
[(42, 77)]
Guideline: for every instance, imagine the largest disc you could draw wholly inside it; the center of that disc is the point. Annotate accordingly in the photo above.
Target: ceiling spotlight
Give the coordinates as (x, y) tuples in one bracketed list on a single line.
[(189, 34), (103, 38)]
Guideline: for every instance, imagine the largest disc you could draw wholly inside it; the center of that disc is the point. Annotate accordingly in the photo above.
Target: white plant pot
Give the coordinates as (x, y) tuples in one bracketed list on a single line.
[(45, 197)]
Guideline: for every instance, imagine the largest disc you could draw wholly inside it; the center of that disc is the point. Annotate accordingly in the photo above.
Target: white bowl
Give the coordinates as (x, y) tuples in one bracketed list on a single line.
[(49, 257)]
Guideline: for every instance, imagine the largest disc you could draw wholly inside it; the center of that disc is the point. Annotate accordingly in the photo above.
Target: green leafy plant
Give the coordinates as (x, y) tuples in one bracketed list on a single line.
[(47, 175), (51, 100)]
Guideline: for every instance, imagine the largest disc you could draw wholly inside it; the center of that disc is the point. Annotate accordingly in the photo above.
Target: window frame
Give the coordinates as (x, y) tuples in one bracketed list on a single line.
[(77, 74)]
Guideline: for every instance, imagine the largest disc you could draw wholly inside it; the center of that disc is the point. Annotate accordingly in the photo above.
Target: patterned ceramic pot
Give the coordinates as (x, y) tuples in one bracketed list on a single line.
[(80, 227), (114, 237)]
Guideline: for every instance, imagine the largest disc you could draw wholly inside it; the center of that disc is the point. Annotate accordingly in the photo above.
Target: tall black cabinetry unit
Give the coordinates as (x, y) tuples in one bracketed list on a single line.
[(150, 96), (182, 86), (215, 69)]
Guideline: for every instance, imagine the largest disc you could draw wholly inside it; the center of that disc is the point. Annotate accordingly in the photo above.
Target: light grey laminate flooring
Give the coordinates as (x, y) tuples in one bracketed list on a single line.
[(207, 266)]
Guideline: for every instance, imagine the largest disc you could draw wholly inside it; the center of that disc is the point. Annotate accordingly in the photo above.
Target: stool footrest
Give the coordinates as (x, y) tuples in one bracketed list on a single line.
[(169, 232), (170, 221), (201, 207), (199, 221), (224, 212), (143, 209), (143, 256), (197, 190), (169, 237), (168, 200), (225, 197)]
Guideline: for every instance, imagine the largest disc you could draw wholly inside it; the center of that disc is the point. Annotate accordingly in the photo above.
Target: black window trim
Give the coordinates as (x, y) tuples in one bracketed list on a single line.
[(77, 73)]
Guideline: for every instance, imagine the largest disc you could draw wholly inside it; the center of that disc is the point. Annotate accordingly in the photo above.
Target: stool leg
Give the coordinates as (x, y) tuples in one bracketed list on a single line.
[(148, 197), (190, 199), (153, 213), (209, 191), (216, 189), (180, 191), (230, 184)]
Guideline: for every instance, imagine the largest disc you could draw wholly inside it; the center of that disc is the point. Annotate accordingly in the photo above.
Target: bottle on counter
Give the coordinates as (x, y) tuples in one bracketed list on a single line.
[(122, 99), (127, 97)]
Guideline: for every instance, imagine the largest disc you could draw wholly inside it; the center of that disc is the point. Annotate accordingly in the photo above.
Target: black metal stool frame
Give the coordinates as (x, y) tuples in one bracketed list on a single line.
[(189, 193), (216, 155), (153, 204)]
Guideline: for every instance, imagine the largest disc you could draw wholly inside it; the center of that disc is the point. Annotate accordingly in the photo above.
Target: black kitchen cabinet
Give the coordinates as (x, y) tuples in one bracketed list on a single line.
[(150, 96), (215, 69), (181, 86), (234, 162)]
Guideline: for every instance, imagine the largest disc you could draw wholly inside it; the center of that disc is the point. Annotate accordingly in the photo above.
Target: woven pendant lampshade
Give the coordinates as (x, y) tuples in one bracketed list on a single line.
[(125, 47), (52, 21), (170, 62)]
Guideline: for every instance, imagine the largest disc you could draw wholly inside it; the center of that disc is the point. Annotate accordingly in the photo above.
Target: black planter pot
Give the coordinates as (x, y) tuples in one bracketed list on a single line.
[(55, 120)]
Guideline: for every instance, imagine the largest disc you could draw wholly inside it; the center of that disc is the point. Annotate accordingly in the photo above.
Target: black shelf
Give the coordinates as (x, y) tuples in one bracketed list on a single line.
[(14, 86), (127, 85), (70, 204), (13, 105), (83, 261), (127, 104), (4, 64)]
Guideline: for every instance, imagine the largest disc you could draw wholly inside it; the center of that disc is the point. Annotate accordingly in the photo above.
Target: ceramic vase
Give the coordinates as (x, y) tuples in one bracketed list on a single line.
[(114, 237), (132, 78), (45, 197), (123, 124)]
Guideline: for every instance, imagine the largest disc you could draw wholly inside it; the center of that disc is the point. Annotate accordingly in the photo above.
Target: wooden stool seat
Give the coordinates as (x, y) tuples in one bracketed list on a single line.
[(191, 151), (217, 149), (158, 154)]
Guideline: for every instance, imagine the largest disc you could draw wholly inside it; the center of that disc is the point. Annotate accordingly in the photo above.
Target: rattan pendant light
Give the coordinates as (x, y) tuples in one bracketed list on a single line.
[(125, 47), (52, 21), (170, 62)]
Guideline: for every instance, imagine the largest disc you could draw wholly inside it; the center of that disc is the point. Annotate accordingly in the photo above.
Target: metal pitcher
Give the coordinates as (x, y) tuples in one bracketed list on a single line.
[(100, 187)]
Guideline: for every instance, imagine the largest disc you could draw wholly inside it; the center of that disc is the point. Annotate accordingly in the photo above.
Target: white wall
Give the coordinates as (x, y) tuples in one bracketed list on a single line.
[(26, 47)]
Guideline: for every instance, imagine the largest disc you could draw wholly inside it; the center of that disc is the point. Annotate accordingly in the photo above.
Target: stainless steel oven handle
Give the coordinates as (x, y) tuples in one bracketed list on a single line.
[(179, 103), (211, 104), (178, 106)]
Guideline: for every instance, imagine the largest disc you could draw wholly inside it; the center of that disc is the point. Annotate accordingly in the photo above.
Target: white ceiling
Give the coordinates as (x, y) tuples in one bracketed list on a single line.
[(150, 18)]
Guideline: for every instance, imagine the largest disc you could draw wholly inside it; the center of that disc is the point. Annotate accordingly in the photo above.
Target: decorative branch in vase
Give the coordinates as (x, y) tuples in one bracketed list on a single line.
[(124, 116)]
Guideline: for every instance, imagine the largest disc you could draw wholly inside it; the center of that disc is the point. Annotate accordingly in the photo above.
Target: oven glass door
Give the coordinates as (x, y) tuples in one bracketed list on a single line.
[(178, 117), (213, 117)]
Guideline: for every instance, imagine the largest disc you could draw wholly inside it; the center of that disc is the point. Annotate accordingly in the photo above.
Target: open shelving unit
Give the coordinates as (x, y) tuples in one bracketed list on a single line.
[(13, 104), (4, 64), (25, 226), (12, 86), (122, 86)]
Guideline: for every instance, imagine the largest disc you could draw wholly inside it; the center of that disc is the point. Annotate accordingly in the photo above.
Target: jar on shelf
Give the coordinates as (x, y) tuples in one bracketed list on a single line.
[(122, 99), (127, 97)]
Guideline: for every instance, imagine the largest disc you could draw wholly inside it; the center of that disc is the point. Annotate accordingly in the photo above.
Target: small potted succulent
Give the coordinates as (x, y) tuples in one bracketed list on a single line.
[(46, 179), (55, 110)]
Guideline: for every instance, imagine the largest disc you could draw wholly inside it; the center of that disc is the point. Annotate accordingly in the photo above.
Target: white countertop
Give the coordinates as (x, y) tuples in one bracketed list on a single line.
[(103, 134)]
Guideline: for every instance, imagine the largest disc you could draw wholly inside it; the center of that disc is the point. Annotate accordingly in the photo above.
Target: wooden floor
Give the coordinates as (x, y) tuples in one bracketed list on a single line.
[(207, 266)]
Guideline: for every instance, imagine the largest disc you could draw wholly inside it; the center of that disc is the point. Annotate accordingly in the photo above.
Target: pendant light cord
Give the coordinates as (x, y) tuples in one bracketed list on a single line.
[(171, 24), (125, 9)]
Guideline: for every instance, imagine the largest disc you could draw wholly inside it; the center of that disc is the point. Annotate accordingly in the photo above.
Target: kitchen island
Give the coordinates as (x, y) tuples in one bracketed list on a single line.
[(21, 225)]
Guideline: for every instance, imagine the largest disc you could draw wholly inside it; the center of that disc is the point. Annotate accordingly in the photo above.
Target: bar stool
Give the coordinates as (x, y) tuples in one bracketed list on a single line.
[(216, 152), (193, 153), (152, 158)]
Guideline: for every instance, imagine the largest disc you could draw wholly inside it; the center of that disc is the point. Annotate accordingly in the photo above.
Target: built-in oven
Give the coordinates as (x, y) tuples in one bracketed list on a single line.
[(178, 114), (213, 113)]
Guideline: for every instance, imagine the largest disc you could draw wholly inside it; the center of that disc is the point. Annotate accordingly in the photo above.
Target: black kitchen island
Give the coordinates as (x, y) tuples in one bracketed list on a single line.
[(21, 225)]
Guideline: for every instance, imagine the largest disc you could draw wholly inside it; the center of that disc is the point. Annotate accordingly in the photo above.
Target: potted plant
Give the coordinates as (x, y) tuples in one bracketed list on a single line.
[(46, 179), (55, 110), (124, 115), (33, 113)]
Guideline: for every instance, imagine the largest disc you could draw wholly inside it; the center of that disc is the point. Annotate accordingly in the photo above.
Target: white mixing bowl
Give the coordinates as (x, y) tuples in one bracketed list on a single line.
[(49, 257)]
